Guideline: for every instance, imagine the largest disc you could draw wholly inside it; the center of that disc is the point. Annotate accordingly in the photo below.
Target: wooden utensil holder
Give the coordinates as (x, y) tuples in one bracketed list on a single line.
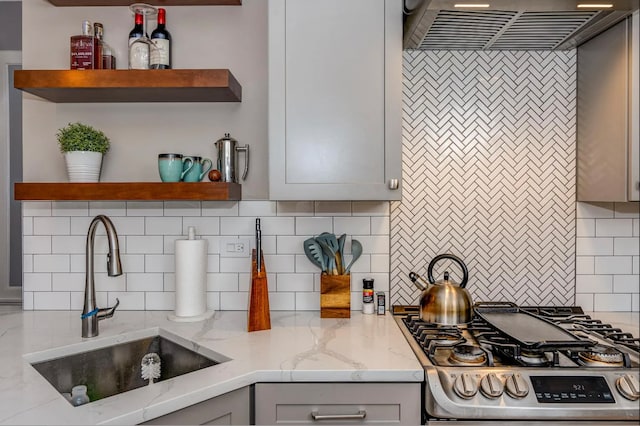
[(335, 296), (259, 316)]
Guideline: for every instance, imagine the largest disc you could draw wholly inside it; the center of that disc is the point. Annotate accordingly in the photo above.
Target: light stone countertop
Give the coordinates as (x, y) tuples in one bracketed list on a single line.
[(300, 347)]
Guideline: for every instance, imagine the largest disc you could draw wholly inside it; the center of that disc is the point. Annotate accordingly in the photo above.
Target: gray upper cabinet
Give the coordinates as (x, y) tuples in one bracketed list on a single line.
[(608, 130), (335, 89)]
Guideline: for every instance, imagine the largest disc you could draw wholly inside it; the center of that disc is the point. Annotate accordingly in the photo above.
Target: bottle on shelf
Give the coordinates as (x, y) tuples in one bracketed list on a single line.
[(138, 45), (108, 59), (85, 49), (160, 55)]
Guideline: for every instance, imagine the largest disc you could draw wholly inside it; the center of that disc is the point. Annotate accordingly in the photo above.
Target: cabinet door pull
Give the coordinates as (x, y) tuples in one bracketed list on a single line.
[(394, 184), (317, 417)]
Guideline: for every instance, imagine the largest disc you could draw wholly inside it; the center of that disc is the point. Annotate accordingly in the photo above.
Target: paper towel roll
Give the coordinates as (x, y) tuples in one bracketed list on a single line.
[(191, 277)]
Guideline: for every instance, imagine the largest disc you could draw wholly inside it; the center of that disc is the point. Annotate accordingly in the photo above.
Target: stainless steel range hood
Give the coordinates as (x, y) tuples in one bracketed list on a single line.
[(508, 24)]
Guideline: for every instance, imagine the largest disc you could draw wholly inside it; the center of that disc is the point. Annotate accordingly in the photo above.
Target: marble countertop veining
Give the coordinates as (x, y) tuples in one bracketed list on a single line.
[(300, 347)]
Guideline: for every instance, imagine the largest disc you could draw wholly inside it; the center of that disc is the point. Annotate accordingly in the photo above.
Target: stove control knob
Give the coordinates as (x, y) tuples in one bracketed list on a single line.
[(491, 386), (465, 386), (516, 386), (629, 387)]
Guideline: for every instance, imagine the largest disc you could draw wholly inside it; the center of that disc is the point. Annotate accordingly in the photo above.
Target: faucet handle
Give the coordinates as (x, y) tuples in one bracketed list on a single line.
[(108, 312)]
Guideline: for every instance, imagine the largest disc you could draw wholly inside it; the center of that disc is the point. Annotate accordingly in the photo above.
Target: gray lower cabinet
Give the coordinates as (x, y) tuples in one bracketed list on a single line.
[(608, 119), (335, 99), (233, 408), (337, 403)]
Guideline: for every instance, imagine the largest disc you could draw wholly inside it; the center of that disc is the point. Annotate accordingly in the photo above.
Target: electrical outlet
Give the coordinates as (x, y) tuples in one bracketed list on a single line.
[(235, 247)]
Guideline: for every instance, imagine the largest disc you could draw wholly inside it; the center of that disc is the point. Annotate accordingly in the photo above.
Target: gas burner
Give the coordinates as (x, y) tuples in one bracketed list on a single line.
[(533, 359), (467, 355), (602, 355)]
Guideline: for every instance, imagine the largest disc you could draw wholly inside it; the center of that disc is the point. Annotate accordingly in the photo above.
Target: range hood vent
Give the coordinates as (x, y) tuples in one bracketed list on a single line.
[(507, 24)]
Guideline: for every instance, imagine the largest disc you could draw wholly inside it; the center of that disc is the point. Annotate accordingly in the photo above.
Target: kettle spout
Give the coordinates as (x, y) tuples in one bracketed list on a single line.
[(414, 279)]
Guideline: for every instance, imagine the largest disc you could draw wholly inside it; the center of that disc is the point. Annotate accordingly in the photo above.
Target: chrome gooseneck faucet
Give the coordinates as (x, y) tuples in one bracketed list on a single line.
[(91, 314)]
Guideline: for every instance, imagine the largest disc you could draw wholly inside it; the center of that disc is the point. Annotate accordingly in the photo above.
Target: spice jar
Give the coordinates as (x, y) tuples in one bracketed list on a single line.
[(367, 296)]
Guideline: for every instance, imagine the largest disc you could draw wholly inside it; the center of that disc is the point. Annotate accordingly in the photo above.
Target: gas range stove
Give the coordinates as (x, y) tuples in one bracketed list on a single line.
[(526, 363)]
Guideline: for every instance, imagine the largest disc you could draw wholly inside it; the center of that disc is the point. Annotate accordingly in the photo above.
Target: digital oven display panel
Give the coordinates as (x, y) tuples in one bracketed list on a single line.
[(569, 389)]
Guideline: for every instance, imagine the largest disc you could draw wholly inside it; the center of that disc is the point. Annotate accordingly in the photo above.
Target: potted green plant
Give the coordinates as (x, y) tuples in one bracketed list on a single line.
[(83, 148)]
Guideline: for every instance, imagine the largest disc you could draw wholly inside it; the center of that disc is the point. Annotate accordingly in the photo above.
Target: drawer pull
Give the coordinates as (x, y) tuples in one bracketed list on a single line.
[(316, 417)]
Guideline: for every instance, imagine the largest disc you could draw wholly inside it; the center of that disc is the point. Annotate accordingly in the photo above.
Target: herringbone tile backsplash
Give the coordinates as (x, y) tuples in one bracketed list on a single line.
[(488, 174)]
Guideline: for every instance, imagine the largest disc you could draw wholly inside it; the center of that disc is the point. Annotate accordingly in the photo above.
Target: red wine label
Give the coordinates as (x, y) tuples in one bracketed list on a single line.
[(82, 53), (159, 52)]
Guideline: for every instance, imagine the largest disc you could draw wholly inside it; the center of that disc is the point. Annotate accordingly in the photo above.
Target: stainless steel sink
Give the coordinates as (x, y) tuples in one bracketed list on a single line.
[(115, 368)]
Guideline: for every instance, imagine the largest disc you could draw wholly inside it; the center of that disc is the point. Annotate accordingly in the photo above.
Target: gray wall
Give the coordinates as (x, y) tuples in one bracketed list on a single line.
[(11, 25)]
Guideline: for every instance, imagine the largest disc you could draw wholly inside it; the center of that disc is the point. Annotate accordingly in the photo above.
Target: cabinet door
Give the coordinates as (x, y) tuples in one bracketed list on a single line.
[(232, 408), (335, 87), (337, 403), (607, 131)]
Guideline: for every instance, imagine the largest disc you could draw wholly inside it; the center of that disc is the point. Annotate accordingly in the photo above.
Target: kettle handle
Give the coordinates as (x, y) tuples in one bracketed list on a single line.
[(246, 159), (465, 272)]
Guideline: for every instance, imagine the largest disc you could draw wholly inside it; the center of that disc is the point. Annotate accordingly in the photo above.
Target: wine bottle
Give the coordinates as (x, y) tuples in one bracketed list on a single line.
[(138, 47), (160, 56), (108, 60)]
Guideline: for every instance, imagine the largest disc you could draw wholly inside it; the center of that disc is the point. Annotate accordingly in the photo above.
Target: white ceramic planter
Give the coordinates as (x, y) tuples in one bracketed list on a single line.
[(83, 166)]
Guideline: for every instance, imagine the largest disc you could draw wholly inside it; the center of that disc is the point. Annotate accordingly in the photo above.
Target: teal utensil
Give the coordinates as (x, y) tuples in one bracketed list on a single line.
[(314, 253), (356, 250)]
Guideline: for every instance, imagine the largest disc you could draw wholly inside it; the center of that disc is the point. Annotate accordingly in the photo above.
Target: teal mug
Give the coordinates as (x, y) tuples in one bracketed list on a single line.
[(173, 167), (199, 170)]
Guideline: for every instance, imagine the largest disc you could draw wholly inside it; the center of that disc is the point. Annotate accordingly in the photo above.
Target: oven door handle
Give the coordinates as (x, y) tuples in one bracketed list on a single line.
[(317, 417)]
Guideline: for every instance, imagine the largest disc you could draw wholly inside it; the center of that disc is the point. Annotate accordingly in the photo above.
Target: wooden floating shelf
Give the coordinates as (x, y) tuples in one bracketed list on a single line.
[(151, 2), (141, 191), (86, 86)]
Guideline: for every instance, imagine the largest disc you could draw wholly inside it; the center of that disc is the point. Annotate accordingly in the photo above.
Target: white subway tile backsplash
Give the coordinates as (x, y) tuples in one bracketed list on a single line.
[(635, 265), (380, 225), (594, 246), (371, 208), (150, 244), (332, 208), (104, 282), (585, 300), (36, 282), (257, 209), (313, 226), (51, 263), (585, 227), (307, 301), (379, 263), (238, 264), (219, 208), (295, 282), (627, 210), (51, 226), (203, 225), (70, 208), (235, 301), (108, 208), (612, 302), (27, 300), (68, 282), (129, 300), (36, 244), (159, 263), (128, 225), (27, 225), (222, 282), (275, 226), (132, 262), (27, 263), (626, 246), (140, 282), (615, 265), (237, 226), (282, 301), (36, 208), (289, 244), (213, 301), (635, 302), (363, 264), (636, 228), (295, 208), (51, 301), (614, 228), (159, 301), (145, 208), (594, 210), (280, 263), (163, 226), (182, 208), (304, 265), (352, 225), (585, 265), (594, 284), (374, 244), (71, 244), (626, 283)]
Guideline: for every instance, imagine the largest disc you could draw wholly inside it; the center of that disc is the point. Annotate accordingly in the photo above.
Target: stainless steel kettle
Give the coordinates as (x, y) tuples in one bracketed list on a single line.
[(227, 163), (444, 302)]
